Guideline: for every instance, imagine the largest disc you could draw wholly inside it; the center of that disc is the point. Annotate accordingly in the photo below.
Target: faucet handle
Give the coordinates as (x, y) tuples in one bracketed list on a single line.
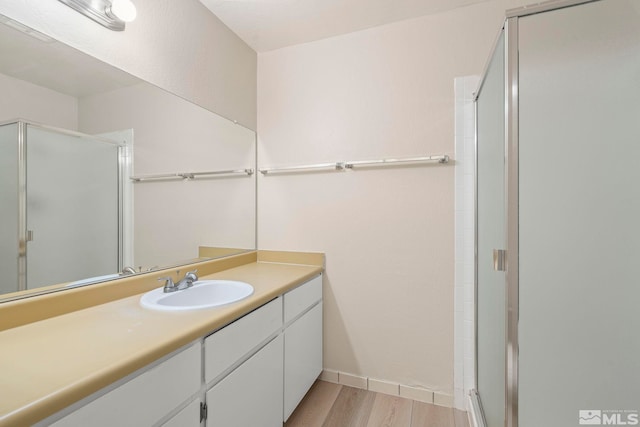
[(168, 284), (128, 270), (191, 276)]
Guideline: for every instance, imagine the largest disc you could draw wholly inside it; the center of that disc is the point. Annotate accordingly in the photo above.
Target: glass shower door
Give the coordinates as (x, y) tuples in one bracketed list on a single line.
[(490, 291), (72, 207), (9, 207), (579, 211)]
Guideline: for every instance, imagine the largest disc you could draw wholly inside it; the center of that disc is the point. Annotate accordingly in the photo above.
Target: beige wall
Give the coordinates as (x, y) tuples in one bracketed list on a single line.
[(177, 45), (387, 233), (35, 103), (383, 92), (173, 218)]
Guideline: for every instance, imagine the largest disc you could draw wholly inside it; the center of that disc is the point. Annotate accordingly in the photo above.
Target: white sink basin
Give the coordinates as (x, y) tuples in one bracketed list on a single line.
[(203, 294)]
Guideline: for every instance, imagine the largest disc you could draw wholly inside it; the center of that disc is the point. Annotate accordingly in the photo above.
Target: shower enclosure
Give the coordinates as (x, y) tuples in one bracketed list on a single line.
[(61, 206), (558, 207)]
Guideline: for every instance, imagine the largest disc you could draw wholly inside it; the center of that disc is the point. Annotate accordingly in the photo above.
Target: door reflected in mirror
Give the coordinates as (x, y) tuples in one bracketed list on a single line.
[(63, 228)]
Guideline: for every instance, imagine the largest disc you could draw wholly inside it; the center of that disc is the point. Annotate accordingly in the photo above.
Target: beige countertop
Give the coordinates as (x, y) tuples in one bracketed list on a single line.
[(49, 364)]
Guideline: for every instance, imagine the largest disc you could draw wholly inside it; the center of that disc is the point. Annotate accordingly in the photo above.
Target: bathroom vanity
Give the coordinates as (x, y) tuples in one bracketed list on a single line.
[(116, 363)]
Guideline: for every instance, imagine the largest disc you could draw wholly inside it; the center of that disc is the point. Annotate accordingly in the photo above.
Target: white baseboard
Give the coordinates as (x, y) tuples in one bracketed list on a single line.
[(387, 387)]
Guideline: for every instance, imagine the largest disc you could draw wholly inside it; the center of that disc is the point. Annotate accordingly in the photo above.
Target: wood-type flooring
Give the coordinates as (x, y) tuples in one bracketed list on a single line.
[(335, 405)]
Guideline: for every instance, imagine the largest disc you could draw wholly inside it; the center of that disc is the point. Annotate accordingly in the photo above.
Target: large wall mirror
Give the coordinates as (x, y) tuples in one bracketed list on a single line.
[(101, 172)]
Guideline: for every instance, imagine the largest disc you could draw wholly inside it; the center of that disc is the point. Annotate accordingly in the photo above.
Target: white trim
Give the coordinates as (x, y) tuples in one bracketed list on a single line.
[(421, 394), (125, 140), (544, 7), (464, 309), (475, 418)]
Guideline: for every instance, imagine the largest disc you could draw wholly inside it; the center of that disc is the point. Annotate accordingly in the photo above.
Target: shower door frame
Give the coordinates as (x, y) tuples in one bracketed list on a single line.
[(22, 126), (511, 111)]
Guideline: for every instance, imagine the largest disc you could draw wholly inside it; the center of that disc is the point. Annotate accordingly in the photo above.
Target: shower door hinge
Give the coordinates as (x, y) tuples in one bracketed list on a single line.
[(500, 259), (203, 411)]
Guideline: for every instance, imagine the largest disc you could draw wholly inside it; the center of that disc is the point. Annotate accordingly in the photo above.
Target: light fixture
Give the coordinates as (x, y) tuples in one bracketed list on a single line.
[(122, 9), (110, 13)]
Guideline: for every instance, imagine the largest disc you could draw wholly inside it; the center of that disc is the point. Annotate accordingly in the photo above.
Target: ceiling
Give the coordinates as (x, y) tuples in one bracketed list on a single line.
[(272, 24)]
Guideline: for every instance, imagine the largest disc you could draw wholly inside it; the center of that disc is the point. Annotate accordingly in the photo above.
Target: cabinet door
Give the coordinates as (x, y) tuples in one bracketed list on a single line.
[(188, 417), (251, 395), (302, 357)]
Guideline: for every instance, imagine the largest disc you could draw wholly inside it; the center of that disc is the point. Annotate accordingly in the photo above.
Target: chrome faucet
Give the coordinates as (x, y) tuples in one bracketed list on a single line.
[(128, 270), (184, 283)]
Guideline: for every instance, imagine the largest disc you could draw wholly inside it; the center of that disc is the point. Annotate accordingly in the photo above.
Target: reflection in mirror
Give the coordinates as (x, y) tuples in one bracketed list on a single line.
[(54, 183), (71, 214)]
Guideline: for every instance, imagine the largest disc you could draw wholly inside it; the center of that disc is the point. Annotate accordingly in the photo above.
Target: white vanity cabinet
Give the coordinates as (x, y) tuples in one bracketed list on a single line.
[(251, 372), (147, 398), (257, 384), (243, 361), (302, 342), (187, 417)]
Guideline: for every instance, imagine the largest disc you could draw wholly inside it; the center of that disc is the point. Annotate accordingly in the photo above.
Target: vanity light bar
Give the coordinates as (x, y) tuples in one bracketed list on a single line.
[(340, 166), (190, 175), (112, 14)]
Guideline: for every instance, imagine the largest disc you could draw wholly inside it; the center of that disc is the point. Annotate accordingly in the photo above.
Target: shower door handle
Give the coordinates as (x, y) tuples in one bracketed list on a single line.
[(500, 260)]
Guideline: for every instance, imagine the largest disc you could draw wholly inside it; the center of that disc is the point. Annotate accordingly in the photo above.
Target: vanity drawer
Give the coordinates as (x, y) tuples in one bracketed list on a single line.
[(145, 399), (230, 344), (304, 296)]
